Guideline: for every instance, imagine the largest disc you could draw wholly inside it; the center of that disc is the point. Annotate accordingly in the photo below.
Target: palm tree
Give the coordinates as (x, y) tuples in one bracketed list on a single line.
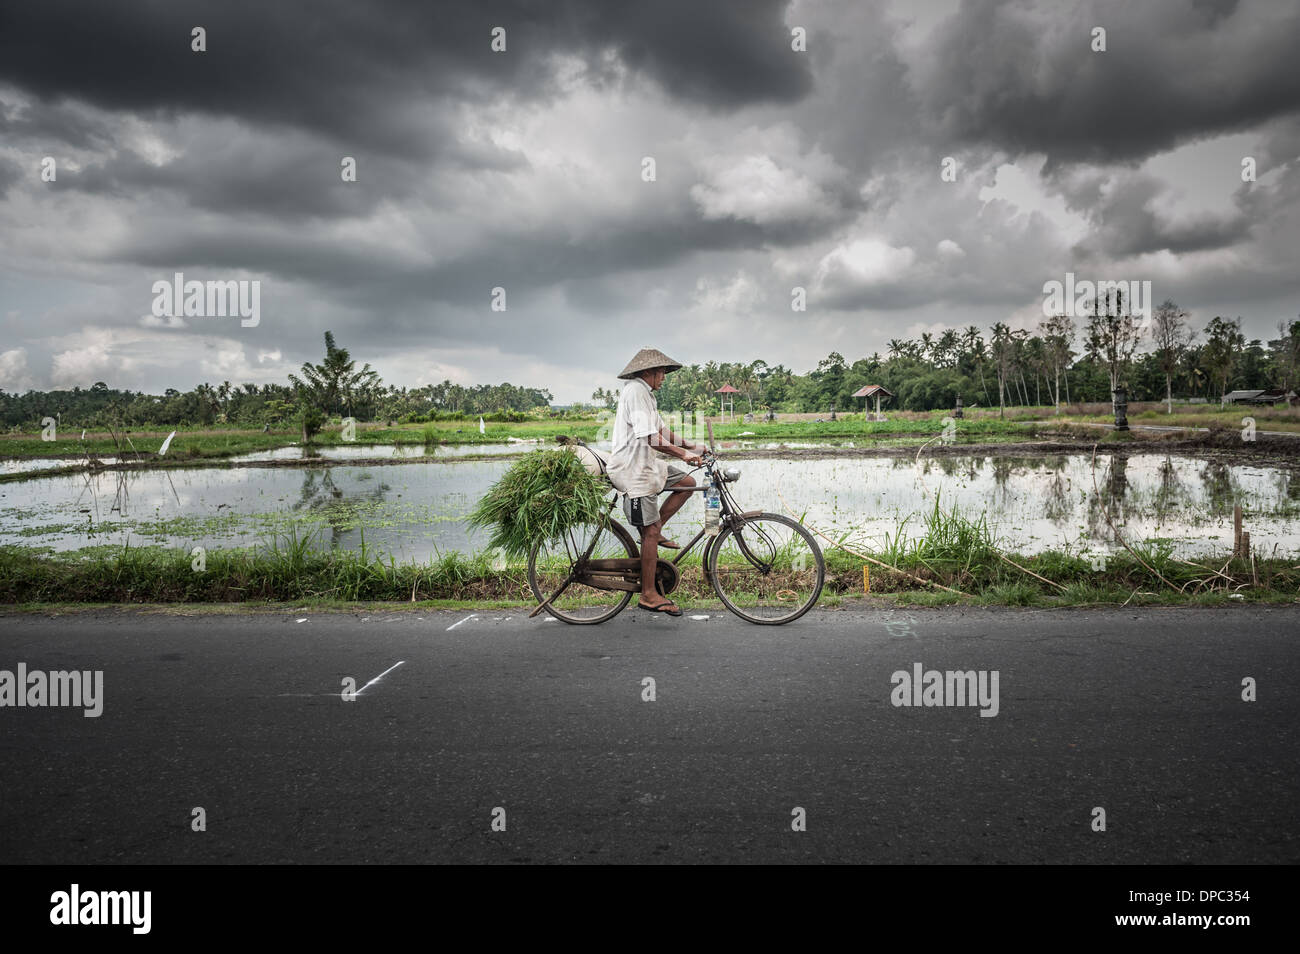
[(744, 379), (335, 383), (973, 346), (946, 348), (1223, 341), (1004, 359)]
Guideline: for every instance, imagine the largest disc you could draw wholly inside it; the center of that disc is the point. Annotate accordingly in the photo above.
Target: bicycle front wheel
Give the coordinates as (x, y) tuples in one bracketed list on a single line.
[(767, 569), (552, 560)]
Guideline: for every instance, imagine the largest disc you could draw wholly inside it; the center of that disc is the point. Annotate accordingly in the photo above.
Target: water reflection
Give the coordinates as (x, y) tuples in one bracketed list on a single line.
[(1289, 483), (335, 510), (1058, 502), (1106, 507), (415, 511), (398, 451), (1221, 491), (1170, 496)]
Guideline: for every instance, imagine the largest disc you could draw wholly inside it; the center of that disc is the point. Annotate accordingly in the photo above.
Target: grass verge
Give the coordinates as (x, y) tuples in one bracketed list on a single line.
[(952, 552)]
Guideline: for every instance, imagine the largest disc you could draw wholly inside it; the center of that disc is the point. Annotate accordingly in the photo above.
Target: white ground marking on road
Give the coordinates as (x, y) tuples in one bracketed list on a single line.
[(699, 617), (303, 620), (548, 619), (380, 676), (465, 620)]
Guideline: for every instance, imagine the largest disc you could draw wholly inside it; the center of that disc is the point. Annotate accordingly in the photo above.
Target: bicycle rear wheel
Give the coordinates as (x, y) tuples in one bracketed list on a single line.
[(767, 569), (551, 561)]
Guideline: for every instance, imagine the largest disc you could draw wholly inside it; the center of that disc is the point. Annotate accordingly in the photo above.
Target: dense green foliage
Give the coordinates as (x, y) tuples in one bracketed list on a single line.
[(333, 387), (931, 372), (1012, 367)]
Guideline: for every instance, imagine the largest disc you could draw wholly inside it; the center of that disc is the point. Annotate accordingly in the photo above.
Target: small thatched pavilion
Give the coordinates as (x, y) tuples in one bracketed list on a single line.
[(876, 391), (727, 403)]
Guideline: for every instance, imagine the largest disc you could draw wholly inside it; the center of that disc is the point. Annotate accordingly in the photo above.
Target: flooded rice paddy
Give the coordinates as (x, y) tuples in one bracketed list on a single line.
[(418, 511), (371, 451)]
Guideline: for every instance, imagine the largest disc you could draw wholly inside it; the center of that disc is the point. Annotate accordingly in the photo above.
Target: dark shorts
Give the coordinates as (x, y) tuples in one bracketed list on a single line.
[(643, 511)]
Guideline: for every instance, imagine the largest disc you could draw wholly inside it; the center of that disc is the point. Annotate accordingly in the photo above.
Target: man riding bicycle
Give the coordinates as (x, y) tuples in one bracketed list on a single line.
[(640, 474)]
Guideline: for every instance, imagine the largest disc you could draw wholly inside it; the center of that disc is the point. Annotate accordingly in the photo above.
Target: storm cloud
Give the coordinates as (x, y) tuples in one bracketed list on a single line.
[(774, 167)]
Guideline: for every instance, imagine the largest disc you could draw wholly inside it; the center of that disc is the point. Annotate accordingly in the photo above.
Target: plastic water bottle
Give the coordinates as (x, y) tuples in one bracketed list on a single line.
[(712, 509)]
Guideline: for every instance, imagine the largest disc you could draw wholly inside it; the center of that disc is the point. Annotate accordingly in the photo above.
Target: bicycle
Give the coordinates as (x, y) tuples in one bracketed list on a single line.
[(764, 567)]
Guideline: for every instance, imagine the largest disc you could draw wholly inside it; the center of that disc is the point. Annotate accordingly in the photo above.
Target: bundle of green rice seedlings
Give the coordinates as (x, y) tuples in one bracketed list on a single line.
[(543, 495)]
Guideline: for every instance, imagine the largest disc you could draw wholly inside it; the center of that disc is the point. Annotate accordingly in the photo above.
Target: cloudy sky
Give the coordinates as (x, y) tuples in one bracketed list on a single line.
[(523, 169)]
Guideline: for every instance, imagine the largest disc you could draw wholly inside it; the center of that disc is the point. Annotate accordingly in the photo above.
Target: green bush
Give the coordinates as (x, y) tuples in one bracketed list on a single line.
[(311, 420)]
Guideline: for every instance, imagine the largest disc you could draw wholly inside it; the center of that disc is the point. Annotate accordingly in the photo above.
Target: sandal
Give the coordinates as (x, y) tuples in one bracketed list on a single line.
[(670, 544), (663, 607)]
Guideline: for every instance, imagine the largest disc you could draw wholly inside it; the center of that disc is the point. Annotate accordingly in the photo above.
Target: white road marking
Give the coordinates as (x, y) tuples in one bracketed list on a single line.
[(303, 620), (465, 620), (699, 617), (380, 676)]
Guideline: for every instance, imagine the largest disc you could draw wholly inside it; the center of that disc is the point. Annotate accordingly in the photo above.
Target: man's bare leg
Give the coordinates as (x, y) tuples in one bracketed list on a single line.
[(674, 502), (649, 563)]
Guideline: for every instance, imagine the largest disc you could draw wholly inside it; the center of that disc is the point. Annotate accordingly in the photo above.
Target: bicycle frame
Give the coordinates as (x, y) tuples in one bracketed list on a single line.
[(730, 511), (624, 573)]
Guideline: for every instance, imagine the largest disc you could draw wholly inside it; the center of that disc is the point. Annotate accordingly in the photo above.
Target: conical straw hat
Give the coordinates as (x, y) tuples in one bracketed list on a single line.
[(646, 359)]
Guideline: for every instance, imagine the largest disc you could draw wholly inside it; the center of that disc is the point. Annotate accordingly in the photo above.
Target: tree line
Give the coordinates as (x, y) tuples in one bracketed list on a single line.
[(334, 387), (1063, 360)]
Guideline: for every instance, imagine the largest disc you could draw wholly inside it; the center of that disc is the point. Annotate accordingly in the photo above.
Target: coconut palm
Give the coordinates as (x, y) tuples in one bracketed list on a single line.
[(335, 383)]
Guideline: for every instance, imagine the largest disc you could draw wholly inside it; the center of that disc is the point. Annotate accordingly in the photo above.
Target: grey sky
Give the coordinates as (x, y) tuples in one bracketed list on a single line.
[(522, 169)]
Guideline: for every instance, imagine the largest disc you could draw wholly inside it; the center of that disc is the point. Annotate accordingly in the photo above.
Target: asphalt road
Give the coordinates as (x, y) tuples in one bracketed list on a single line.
[(1139, 712)]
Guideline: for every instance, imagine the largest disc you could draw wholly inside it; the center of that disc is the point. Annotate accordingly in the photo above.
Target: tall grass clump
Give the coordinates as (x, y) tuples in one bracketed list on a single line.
[(543, 495), (951, 541)]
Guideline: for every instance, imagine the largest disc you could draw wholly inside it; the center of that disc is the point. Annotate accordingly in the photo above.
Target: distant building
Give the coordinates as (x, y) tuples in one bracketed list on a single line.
[(876, 391), (727, 403), (1258, 397)]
